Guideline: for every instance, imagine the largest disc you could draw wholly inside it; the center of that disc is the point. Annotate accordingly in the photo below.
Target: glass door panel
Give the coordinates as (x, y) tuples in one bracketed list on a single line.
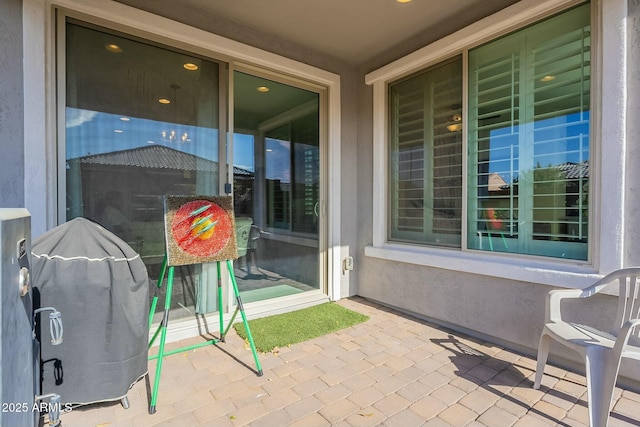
[(142, 121), (278, 199)]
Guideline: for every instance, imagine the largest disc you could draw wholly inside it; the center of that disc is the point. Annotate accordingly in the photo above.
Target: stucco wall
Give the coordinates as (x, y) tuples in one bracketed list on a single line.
[(11, 105), (633, 135)]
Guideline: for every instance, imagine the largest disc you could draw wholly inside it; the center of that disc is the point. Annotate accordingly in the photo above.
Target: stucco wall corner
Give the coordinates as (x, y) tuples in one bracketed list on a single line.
[(11, 105)]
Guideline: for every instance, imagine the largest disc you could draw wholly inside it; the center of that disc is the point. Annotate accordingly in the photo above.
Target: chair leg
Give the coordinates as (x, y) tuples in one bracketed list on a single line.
[(601, 371), (543, 354)]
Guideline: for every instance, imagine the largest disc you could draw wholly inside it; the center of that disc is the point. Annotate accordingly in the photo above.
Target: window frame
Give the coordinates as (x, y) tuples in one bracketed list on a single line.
[(528, 46), (606, 248)]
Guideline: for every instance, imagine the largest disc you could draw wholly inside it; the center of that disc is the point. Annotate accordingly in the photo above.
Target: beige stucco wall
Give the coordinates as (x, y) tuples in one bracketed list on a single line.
[(11, 105), (633, 136)]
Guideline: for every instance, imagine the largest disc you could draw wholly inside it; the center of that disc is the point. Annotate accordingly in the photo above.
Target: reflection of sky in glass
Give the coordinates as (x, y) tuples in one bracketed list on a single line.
[(558, 140), (92, 132), (278, 160), (243, 151)]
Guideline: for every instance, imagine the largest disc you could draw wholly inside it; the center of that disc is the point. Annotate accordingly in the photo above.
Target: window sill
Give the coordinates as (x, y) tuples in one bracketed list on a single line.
[(564, 274)]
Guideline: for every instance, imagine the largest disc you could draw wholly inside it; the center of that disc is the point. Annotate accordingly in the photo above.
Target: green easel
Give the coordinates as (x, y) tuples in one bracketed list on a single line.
[(162, 327)]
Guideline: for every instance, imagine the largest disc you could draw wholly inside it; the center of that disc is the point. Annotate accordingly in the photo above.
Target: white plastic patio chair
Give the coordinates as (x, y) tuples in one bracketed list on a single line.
[(602, 351)]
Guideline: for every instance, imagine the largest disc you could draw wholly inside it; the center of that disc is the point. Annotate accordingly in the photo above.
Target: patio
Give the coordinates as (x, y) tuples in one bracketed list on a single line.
[(393, 370)]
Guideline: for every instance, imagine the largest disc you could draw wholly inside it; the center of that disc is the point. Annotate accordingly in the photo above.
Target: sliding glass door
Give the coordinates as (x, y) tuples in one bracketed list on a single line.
[(277, 183), (144, 120)]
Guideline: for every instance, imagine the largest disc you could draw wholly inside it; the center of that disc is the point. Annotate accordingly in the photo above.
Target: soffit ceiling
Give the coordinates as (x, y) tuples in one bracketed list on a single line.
[(353, 31)]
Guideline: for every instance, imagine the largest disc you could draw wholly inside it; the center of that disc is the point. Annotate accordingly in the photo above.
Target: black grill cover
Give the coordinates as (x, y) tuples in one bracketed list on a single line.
[(100, 286)]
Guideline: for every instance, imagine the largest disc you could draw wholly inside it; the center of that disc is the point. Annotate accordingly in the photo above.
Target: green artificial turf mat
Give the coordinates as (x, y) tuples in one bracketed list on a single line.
[(285, 329)]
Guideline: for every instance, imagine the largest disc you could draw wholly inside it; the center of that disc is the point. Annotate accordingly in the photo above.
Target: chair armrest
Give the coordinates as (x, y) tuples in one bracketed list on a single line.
[(624, 334), (554, 298)]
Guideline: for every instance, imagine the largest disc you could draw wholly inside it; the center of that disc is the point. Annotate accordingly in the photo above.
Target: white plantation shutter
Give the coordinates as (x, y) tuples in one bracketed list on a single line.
[(426, 158), (561, 130), (409, 161), (529, 127)]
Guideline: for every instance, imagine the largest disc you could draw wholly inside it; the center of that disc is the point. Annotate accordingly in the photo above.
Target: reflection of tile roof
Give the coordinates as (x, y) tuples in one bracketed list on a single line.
[(569, 169), (575, 170), (156, 157)]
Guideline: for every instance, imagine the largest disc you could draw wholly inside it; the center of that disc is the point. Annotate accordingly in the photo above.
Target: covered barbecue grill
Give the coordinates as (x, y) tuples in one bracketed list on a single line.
[(100, 285)]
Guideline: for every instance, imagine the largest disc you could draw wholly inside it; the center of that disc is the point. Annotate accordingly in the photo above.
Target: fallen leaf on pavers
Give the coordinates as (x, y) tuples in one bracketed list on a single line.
[(103, 424), (275, 351), (367, 415), (232, 417)]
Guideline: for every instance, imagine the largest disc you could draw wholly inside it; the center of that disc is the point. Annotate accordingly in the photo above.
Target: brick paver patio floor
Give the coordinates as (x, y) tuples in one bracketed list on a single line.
[(393, 370)]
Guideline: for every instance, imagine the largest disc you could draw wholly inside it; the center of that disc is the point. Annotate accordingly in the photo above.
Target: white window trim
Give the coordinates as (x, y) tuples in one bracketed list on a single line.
[(40, 100), (607, 213)]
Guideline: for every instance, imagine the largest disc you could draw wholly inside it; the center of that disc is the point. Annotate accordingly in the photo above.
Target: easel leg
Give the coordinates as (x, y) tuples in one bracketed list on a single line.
[(163, 337), (244, 317), (220, 313), (163, 271)]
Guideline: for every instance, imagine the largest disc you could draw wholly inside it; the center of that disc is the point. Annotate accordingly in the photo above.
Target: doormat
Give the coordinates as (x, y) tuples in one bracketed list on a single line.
[(281, 330)]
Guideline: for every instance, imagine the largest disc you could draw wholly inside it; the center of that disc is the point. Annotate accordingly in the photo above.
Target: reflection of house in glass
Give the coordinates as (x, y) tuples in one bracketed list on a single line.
[(497, 183), (559, 199), (143, 176)]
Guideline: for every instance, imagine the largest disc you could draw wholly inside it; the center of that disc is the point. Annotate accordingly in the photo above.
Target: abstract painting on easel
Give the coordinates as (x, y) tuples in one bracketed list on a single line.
[(199, 229)]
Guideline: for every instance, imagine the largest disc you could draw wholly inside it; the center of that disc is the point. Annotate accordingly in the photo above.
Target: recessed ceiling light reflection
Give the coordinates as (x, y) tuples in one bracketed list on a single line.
[(125, 119), (112, 47), (262, 89), (190, 66), (547, 78), (403, 1), (164, 101), (118, 130), (150, 142)]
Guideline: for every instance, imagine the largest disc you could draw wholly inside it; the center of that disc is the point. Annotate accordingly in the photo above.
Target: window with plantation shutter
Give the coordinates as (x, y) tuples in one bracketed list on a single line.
[(526, 140), (528, 169), (425, 153)]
